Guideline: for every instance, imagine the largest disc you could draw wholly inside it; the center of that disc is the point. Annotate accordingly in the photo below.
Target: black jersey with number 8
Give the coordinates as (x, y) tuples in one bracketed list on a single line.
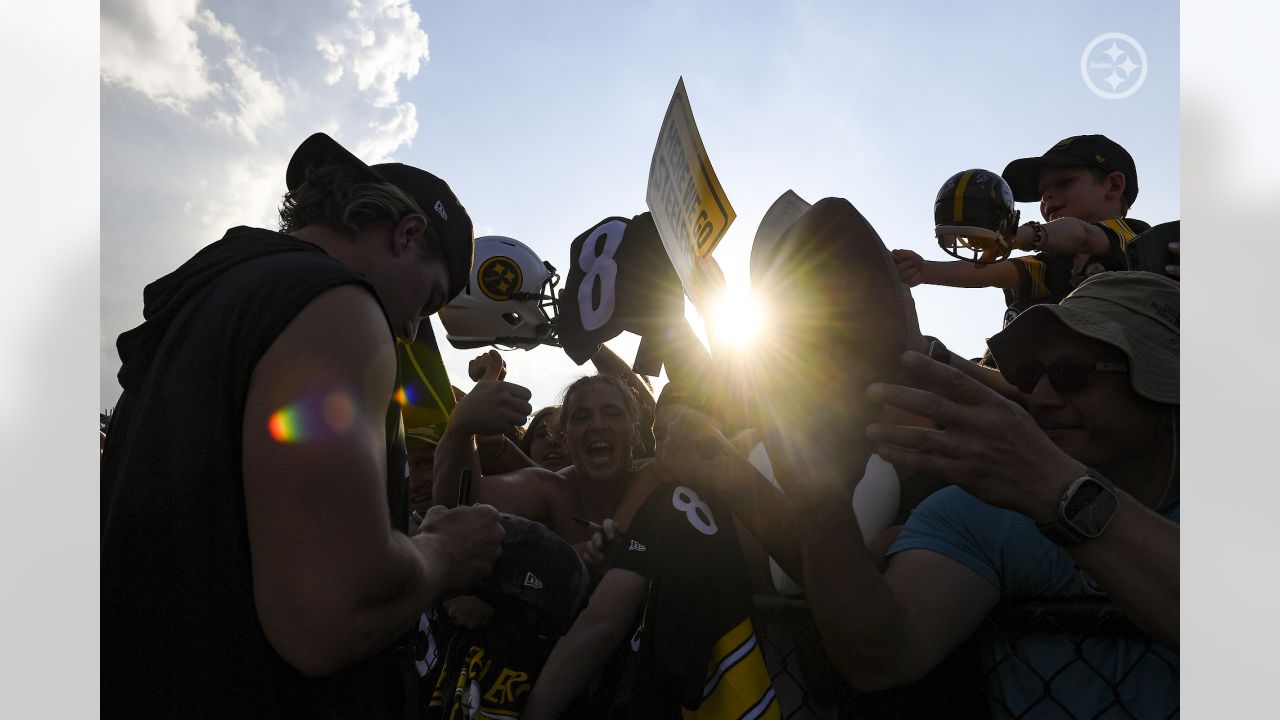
[(619, 279)]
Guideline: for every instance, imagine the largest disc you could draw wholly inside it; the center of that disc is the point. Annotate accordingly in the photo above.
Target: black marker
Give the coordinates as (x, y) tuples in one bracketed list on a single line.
[(593, 525), (464, 488)]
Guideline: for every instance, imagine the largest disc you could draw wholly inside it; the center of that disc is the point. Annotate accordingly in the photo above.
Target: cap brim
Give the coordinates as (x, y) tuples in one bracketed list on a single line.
[(1014, 346), (1023, 175), (318, 151)]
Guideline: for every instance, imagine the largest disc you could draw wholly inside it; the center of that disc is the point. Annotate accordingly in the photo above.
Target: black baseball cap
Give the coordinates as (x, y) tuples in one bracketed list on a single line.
[(441, 207), (539, 577), (1095, 151)]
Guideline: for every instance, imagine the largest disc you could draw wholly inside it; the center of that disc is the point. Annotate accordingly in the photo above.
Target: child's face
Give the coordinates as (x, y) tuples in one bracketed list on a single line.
[(1074, 192)]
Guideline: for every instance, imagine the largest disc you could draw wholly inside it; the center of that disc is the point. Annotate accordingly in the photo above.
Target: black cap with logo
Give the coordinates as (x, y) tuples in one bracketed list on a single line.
[(1094, 151), (539, 578), (443, 211)]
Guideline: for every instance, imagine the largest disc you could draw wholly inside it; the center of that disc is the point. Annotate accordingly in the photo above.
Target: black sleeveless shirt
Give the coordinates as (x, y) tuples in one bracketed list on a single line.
[(180, 634)]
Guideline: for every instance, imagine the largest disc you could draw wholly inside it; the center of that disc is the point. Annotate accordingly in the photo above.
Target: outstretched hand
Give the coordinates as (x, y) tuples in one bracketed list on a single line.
[(910, 267), (493, 405), (985, 443), (482, 366), (594, 552), (694, 452)]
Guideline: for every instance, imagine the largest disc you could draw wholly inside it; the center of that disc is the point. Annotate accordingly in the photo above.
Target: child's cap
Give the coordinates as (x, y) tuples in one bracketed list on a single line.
[(1095, 151)]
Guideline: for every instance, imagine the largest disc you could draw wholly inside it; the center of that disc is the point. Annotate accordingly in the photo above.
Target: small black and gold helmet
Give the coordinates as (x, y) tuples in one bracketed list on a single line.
[(974, 217)]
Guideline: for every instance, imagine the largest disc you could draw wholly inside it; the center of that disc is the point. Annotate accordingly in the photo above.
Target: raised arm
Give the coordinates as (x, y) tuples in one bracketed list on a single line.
[(597, 632), (878, 630), (490, 407), (697, 454), (607, 362), (915, 270), (332, 581)]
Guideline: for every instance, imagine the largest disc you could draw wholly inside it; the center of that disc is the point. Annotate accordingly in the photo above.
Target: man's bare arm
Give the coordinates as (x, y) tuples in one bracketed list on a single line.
[(332, 581), (492, 406), (1136, 560), (597, 632), (879, 631), (607, 362)]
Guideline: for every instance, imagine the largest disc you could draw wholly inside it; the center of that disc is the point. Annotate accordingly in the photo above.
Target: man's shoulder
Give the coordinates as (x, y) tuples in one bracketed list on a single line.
[(559, 485)]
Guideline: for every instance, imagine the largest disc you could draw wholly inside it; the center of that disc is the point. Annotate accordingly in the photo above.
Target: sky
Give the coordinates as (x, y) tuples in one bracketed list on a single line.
[(134, 114), (543, 119)]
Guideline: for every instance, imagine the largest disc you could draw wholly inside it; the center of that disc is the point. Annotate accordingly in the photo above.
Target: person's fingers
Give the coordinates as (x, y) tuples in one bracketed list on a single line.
[(519, 392), (914, 400), (592, 556), (944, 380), (495, 358), (909, 462), (911, 437), (491, 371), (610, 529)]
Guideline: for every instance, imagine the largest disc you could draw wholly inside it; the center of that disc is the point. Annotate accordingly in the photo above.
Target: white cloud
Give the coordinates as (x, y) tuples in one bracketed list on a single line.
[(382, 41), (178, 54), (150, 46), (203, 102), (387, 136)]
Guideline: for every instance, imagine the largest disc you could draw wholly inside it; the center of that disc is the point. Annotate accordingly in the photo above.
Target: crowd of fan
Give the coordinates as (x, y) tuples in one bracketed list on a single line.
[(599, 558)]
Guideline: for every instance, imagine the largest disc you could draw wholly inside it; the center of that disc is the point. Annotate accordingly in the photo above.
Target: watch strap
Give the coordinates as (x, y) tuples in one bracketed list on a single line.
[(1061, 531)]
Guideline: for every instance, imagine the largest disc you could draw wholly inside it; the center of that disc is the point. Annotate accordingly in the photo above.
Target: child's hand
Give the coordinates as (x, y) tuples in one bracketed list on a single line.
[(910, 267)]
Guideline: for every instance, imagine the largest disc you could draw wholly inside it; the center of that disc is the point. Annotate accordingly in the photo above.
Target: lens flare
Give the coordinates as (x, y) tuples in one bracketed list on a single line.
[(285, 425), (737, 320), (311, 419)]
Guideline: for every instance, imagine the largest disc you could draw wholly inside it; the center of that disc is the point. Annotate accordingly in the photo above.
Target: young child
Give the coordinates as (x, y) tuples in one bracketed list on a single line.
[(1085, 185)]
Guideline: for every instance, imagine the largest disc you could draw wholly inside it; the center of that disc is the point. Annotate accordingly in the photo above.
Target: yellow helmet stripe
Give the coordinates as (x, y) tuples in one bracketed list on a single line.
[(960, 186)]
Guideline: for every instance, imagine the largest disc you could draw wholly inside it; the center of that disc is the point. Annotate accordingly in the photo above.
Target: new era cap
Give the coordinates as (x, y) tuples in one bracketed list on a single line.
[(1096, 151), (539, 576), (441, 207)]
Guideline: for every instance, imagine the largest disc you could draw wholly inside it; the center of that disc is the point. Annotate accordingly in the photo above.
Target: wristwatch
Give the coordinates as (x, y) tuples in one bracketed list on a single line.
[(938, 351), (1085, 510)]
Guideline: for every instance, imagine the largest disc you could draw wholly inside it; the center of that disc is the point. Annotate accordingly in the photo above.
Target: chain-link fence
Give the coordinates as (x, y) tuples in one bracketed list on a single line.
[(1029, 659)]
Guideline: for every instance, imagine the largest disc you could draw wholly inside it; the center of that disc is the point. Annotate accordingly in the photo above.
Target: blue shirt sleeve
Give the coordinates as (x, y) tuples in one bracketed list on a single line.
[(953, 523)]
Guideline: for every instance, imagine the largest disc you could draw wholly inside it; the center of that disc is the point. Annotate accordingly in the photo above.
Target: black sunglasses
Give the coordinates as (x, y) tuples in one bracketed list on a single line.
[(1068, 375)]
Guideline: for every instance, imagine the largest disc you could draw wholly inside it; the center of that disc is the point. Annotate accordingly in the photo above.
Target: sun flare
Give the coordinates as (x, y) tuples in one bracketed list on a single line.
[(737, 320)]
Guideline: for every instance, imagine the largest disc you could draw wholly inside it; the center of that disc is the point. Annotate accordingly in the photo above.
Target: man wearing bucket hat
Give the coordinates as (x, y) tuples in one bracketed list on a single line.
[(255, 561), (1077, 497)]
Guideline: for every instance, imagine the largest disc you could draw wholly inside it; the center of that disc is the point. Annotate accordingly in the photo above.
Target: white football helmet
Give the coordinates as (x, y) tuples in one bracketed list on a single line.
[(510, 299)]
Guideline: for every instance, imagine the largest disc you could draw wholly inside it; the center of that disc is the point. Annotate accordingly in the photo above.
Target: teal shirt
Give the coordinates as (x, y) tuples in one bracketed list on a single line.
[(1005, 549)]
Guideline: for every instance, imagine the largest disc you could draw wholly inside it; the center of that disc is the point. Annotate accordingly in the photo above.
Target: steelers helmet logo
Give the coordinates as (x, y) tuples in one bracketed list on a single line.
[(500, 277)]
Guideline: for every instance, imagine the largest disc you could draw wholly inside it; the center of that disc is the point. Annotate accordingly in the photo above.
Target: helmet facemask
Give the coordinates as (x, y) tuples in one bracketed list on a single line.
[(975, 218), (510, 299)]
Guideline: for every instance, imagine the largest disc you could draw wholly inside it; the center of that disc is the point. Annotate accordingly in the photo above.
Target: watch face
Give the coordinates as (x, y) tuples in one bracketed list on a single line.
[(1090, 507)]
